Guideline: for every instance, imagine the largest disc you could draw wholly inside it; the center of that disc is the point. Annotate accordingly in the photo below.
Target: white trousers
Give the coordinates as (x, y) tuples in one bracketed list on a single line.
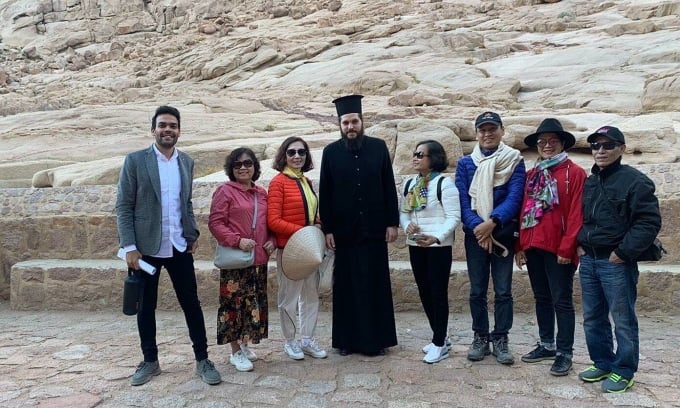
[(297, 296)]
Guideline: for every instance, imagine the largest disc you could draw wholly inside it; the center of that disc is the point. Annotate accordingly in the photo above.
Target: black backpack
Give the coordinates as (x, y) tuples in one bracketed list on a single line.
[(439, 188)]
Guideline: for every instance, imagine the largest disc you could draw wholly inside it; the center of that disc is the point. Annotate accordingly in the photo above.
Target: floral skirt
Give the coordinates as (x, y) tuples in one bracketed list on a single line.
[(243, 313)]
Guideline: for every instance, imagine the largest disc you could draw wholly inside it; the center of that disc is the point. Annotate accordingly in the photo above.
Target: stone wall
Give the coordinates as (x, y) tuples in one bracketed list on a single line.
[(79, 223)]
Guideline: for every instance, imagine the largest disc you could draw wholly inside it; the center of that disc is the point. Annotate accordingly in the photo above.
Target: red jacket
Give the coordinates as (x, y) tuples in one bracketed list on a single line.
[(556, 231), (287, 208)]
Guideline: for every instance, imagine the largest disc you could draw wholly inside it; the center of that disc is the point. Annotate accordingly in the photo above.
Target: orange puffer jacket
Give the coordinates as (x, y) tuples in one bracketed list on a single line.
[(286, 207)]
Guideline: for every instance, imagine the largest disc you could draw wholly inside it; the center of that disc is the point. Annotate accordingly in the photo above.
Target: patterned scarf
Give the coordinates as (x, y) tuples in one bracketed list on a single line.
[(416, 197), (541, 191)]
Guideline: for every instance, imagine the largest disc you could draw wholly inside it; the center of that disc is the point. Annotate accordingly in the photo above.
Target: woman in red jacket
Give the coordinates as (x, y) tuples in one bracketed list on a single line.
[(551, 219), (292, 205)]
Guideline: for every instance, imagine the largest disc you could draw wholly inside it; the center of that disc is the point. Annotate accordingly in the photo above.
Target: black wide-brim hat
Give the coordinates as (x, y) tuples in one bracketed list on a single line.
[(551, 125)]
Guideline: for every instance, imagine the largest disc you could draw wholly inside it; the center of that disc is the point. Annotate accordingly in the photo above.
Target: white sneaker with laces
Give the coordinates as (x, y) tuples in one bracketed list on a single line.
[(436, 354), (249, 354), (313, 349), (292, 349), (240, 361), (447, 342)]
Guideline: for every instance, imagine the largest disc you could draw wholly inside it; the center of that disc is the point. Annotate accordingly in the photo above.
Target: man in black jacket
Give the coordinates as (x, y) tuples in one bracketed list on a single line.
[(621, 219)]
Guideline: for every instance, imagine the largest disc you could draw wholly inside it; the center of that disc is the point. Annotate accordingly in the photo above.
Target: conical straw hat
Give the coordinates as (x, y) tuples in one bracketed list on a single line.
[(303, 253)]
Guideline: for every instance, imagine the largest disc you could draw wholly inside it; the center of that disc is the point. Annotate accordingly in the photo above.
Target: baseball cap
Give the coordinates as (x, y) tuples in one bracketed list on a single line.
[(488, 117), (611, 132)]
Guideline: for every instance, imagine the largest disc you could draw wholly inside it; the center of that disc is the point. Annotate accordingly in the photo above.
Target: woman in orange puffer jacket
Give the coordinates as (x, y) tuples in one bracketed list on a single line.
[(293, 204)]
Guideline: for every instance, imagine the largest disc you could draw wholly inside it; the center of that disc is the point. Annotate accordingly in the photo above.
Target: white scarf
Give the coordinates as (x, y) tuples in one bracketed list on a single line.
[(492, 170)]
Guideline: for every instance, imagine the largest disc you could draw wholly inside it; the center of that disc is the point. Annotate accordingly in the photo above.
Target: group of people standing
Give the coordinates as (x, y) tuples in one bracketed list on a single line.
[(549, 219)]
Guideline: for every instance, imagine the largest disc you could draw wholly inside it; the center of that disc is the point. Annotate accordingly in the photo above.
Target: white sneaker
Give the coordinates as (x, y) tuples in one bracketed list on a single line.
[(313, 349), (436, 354), (447, 342), (292, 349), (240, 361), (249, 354)]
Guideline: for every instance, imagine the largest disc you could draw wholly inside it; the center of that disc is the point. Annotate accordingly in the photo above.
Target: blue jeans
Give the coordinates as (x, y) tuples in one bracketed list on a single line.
[(609, 288), (553, 287), (480, 265)]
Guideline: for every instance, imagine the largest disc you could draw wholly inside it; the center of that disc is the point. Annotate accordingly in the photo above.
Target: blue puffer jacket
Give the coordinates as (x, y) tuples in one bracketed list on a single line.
[(507, 199)]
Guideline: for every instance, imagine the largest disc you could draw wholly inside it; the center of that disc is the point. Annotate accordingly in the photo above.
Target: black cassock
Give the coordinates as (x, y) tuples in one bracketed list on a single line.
[(357, 202)]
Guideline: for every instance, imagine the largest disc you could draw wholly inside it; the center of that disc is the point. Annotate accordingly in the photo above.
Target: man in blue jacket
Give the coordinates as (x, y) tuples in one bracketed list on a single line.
[(491, 183), (621, 219)]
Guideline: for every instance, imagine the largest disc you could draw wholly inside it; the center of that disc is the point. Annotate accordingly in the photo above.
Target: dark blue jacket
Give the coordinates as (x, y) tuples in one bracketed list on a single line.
[(507, 199)]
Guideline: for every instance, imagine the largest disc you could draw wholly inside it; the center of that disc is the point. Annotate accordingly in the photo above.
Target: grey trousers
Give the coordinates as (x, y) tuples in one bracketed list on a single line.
[(298, 302)]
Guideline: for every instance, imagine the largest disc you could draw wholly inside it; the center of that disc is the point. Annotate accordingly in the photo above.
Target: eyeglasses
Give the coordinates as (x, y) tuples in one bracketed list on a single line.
[(420, 155), (551, 142), (238, 164), (300, 152), (606, 145)]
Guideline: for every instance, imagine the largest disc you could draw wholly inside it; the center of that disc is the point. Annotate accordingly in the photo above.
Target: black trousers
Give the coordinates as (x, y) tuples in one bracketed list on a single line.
[(431, 270), (553, 286), (183, 276)]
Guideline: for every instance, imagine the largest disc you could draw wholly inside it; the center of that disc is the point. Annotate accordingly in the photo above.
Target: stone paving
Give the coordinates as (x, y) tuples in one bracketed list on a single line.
[(85, 359)]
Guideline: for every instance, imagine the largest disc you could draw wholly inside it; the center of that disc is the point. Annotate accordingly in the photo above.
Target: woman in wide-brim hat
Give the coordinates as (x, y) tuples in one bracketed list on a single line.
[(550, 220), (293, 204)]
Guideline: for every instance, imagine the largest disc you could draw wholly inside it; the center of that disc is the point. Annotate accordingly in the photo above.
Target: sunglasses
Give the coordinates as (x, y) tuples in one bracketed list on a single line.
[(606, 145), (300, 152), (420, 155), (551, 142), (238, 164)]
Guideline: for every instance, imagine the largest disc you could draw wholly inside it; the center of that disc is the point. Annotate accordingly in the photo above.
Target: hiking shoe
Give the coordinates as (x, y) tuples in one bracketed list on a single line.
[(616, 384), (593, 374), (144, 372), (293, 350), (249, 354), (479, 348), (502, 351), (436, 354), (207, 371), (540, 353), (313, 349), (240, 361), (561, 366), (447, 343)]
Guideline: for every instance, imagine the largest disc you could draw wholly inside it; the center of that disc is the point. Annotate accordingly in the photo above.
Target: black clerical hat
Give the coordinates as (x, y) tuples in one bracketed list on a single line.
[(348, 104)]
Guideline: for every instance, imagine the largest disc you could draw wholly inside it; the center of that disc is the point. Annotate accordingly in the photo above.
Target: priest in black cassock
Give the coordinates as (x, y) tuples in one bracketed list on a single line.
[(359, 214)]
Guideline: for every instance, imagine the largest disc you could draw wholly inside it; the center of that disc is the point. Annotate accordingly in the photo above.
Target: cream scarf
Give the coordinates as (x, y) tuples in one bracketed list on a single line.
[(492, 170)]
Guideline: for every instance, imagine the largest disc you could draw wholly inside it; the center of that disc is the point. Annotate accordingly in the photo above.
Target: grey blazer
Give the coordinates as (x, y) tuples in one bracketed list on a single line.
[(138, 203)]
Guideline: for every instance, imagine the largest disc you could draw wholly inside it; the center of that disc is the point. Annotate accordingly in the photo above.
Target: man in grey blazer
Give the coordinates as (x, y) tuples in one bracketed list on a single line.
[(156, 223)]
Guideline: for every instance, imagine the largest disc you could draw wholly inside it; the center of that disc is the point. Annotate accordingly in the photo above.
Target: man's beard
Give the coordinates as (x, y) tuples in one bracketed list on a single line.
[(353, 144)]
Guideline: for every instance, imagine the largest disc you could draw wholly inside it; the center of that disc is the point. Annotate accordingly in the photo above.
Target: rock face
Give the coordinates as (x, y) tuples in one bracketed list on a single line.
[(79, 79)]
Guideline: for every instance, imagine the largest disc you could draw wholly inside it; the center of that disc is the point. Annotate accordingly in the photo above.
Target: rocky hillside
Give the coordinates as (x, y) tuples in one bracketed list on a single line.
[(79, 79)]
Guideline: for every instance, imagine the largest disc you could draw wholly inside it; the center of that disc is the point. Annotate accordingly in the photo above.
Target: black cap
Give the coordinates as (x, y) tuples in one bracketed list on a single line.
[(488, 117), (551, 125), (348, 104), (608, 131)]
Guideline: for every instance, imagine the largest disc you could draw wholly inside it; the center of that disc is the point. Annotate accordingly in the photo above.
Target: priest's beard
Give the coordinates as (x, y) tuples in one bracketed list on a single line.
[(354, 144)]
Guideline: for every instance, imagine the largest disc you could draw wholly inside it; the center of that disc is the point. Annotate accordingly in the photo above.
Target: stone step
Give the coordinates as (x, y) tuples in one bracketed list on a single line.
[(97, 284)]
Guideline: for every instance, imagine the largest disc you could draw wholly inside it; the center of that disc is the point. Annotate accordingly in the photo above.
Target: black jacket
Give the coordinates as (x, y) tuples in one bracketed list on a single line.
[(620, 212)]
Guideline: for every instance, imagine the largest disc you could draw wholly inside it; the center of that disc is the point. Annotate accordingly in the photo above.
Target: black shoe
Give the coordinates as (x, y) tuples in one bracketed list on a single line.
[(379, 352), (540, 353), (561, 366), (344, 352)]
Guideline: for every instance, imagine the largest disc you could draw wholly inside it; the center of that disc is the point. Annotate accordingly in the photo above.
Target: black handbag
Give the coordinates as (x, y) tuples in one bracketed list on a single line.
[(653, 252), (507, 233)]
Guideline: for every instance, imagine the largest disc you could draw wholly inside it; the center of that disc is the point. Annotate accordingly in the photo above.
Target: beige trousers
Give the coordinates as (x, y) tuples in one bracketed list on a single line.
[(298, 302)]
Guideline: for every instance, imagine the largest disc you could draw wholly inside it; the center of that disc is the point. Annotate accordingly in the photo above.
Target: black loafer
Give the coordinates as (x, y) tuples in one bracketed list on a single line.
[(344, 352), (561, 366)]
